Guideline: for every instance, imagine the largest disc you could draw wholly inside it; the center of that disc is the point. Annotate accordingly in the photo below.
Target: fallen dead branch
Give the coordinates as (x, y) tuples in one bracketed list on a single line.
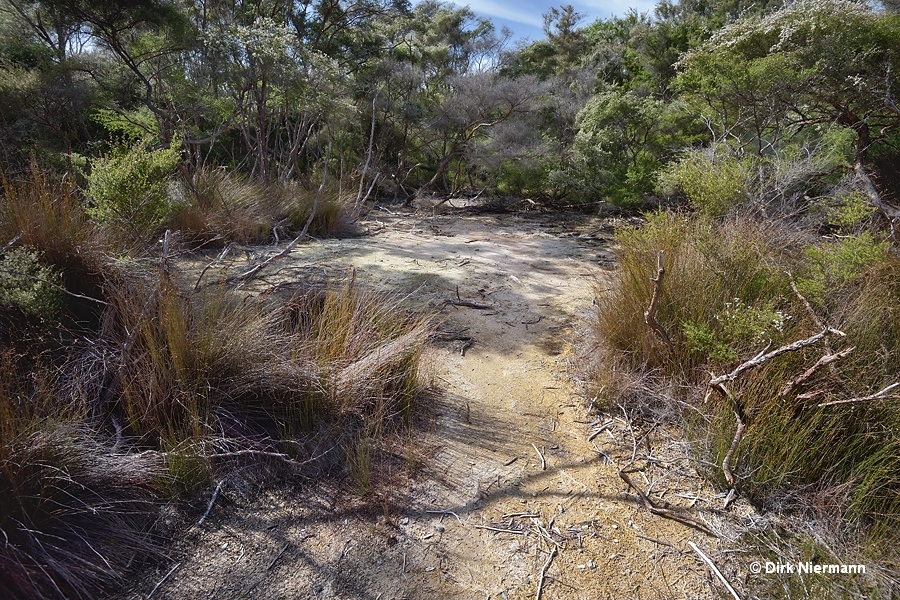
[(600, 430), (499, 530), (714, 569), (277, 556), (540, 587), (665, 512), (212, 501), (444, 512), (163, 580), (807, 374), (468, 304), (881, 395), (257, 268)]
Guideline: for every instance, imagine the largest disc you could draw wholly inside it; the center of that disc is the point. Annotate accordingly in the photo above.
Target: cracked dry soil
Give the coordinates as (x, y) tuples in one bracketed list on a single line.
[(499, 470)]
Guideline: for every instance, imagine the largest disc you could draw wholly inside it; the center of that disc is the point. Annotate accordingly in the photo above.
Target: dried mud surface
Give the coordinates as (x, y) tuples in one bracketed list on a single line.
[(501, 442)]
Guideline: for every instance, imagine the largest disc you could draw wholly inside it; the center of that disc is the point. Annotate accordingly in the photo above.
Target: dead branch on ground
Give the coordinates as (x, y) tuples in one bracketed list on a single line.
[(665, 512), (467, 304), (715, 570), (543, 460), (540, 586)]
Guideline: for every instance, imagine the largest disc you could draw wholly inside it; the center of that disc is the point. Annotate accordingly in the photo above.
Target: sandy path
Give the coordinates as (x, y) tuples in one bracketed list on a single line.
[(500, 406)]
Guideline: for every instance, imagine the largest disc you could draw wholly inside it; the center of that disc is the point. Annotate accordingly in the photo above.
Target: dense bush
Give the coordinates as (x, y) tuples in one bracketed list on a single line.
[(129, 189)]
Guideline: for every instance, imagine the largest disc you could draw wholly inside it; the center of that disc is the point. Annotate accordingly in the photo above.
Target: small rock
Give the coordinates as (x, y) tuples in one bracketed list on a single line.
[(429, 569), (440, 528), (403, 521), (615, 526), (591, 564), (615, 540)]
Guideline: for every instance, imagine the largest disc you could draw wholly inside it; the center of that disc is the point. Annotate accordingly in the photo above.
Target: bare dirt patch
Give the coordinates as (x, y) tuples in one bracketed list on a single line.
[(498, 492)]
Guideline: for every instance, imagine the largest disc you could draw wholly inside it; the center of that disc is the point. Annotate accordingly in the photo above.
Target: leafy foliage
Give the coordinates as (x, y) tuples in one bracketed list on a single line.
[(129, 189)]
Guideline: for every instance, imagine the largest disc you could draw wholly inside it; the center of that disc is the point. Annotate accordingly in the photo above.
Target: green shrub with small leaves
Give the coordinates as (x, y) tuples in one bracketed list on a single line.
[(129, 187), (713, 180), (836, 264), (29, 284)]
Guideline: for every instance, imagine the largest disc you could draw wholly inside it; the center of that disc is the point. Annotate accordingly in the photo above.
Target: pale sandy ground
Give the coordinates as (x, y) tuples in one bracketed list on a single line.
[(474, 451)]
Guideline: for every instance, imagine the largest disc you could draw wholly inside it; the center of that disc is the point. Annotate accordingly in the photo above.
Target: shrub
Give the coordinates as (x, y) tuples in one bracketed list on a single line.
[(129, 189), (29, 284), (707, 267), (832, 266), (712, 179)]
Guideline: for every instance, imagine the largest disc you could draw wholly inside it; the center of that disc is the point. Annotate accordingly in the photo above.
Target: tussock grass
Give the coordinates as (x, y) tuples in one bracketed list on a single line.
[(151, 391), (48, 217), (214, 205), (726, 295), (73, 515)]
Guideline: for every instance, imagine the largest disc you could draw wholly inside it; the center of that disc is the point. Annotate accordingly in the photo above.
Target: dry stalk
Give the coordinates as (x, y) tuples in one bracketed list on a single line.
[(540, 587), (650, 313), (715, 570)]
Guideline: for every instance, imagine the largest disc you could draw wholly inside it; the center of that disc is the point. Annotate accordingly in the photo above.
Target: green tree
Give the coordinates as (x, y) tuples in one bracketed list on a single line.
[(769, 80)]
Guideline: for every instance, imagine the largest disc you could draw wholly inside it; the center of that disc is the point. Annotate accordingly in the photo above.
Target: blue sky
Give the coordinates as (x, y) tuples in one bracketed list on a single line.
[(524, 17)]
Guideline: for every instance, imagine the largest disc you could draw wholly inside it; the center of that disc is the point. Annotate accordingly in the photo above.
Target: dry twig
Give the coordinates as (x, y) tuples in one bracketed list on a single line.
[(212, 501), (715, 570), (881, 395), (540, 587), (543, 460), (163, 580), (664, 512), (828, 359), (650, 313)]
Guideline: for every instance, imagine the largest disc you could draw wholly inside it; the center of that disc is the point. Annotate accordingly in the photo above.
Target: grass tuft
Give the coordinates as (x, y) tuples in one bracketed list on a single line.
[(726, 296)]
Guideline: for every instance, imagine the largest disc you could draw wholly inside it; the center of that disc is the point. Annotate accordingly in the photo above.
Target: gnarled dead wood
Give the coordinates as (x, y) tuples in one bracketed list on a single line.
[(761, 358), (352, 380), (803, 377), (881, 395), (665, 512), (650, 313)]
